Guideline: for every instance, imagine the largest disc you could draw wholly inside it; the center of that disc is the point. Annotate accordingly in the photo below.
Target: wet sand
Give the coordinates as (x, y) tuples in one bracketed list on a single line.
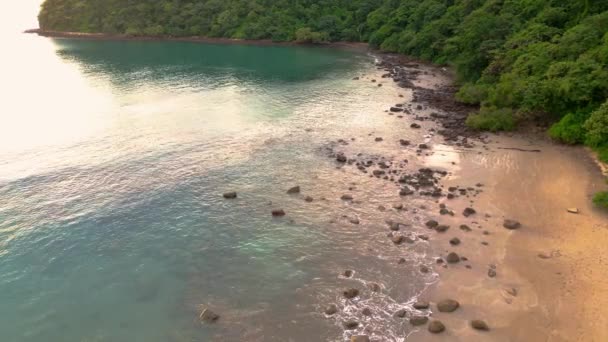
[(551, 280)]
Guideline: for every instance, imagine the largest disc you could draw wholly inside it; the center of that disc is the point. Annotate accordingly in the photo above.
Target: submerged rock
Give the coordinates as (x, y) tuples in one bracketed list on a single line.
[(366, 312), (341, 158), (418, 320), (436, 327), (421, 305), (308, 199), (359, 338), (348, 273), (208, 316), (230, 195), (331, 309), (294, 190), (347, 197), (350, 293), (448, 305), (278, 212), (400, 313), (455, 241), (350, 325)]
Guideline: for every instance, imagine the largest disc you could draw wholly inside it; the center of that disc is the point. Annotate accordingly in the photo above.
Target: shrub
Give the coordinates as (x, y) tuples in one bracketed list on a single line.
[(597, 126), (601, 199), (306, 35), (472, 93), (492, 119), (602, 153), (569, 129)]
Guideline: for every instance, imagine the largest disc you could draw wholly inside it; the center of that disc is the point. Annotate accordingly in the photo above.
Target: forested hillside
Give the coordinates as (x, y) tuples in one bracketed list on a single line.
[(519, 59)]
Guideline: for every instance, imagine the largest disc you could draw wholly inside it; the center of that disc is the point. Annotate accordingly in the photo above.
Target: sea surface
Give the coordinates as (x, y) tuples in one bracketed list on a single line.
[(113, 160)]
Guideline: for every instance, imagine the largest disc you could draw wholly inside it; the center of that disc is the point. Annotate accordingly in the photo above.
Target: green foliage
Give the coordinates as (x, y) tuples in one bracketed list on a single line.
[(601, 199), (492, 119), (306, 35), (531, 56), (597, 127), (569, 129)]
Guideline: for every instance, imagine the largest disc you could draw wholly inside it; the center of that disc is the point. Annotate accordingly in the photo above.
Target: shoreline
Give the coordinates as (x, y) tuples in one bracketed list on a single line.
[(192, 39)]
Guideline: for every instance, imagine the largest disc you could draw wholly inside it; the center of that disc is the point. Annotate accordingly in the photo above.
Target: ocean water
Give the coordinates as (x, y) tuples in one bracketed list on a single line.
[(113, 160)]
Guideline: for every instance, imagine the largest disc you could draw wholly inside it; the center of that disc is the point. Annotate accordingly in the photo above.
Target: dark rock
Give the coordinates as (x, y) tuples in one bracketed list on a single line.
[(348, 273), (404, 142), (465, 228), (405, 191), (396, 109), (374, 287), (468, 212), (511, 224), (278, 212), (354, 220), (395, 226), (294, 190), (421, 305), (341, 158), (230, 195), (478, 324), (351, 325), (448, 305), (350, 293), (398, 239), (331, 309), (366, 312), (308, 199), (418, 320), (378, 139), (423, 146), (442, 228), (208, 316), (400, 313), (347, 197), (491, 273), (432, 224), (436, 327), (415, 125), (452, 258), (455, 241), (424, 269)]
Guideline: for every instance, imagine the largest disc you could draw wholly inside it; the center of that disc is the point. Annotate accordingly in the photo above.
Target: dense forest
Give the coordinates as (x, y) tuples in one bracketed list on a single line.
[(518, 59)]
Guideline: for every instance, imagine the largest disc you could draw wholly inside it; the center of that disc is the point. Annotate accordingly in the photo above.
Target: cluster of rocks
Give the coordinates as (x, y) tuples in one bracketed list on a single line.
[(404, 74)]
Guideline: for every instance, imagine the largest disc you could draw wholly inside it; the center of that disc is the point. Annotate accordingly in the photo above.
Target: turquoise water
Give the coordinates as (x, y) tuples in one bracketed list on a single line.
[(113, 159)]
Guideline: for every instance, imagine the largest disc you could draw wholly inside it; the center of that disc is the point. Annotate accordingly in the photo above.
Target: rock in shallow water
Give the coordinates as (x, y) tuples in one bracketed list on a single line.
[(350, 293), (452, 258), (278, 212), (359, 338), (294, 190), (331, 309), (421, 305), (230, 195), (351, 325), (208, 316), (418, 320)]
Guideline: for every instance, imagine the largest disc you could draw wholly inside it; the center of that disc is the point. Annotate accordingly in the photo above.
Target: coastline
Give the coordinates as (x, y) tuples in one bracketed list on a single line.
[(193, 39)]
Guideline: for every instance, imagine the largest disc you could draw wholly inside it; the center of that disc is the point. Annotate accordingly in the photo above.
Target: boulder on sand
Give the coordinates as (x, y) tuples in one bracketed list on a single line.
[(436, 327), (350, 293), (448, 305), (511, 224), (278, 212), (207, 315)]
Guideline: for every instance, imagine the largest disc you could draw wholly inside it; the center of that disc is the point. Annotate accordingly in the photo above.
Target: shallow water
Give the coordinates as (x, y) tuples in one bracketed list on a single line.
[(113, 159)]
